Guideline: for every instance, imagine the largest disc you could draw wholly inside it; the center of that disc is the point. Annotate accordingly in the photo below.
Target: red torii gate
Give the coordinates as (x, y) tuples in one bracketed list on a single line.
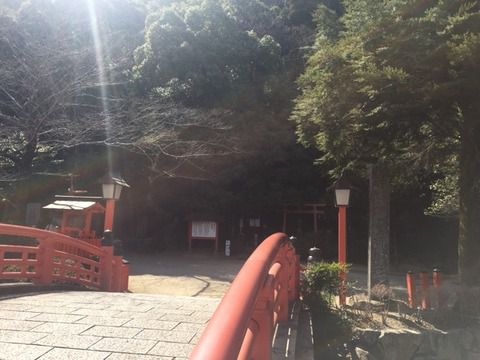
[(309, 208)]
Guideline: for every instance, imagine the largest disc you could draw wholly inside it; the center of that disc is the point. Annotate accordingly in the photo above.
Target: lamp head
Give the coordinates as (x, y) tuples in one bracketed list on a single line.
[(112, 186), (342, 192)]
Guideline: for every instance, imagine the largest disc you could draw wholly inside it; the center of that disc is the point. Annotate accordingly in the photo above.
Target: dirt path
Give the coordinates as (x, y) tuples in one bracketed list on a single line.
[(203, 275)]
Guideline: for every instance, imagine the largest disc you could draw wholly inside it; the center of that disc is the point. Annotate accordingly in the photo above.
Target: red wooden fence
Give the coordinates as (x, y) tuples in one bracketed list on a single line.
[(51, 257), (242, 327)]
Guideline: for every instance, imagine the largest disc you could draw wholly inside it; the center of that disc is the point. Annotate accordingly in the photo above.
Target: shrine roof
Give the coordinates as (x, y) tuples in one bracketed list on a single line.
[(70, 205)]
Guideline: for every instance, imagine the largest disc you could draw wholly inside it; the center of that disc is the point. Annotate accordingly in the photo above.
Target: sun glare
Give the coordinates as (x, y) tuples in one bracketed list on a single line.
[(101, 53)]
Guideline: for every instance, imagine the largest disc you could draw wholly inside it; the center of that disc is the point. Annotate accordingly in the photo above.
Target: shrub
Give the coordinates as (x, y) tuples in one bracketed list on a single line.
[(331, 329), (381, 292), (321, 282)]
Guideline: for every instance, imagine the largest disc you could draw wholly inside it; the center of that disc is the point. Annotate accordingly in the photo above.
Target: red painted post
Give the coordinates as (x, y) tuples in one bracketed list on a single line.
[(117, 274), (283, 291), (125, 270), (291, 273), (425, 294), (342, 249), (121, 274), (106, 268), (248, 341), (263, 317), (411, 289), (437, 283), (45, 262), (297, 276), (109, 214)]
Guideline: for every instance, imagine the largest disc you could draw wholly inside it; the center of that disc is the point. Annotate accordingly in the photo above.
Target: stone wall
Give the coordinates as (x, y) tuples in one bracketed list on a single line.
[(460, 344)]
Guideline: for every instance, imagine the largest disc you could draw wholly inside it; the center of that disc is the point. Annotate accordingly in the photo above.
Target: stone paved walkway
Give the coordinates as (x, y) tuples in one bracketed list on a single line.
[(96, 325)]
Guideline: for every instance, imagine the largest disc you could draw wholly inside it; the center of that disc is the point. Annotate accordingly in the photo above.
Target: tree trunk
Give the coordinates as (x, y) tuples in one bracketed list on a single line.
[(469, 211), (21, 193), (26, 162), (379, 226)]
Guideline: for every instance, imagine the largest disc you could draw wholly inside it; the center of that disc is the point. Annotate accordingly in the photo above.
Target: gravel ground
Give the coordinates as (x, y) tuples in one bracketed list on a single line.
[(204, 275)]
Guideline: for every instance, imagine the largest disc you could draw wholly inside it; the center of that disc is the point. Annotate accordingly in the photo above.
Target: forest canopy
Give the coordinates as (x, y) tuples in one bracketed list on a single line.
[(248, 104), (397, 84)]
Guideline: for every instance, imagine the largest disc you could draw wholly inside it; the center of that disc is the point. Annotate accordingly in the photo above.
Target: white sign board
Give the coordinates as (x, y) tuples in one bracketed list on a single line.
[(254, 222), (204, 229)]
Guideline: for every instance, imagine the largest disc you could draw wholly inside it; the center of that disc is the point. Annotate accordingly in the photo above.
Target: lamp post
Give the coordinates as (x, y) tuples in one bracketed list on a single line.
[(342, 198), (111, 190)]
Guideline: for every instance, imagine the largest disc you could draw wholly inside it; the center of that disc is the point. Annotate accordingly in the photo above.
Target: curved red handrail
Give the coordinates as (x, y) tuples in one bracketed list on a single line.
[(42, 235), (227, 329), (58, 257)]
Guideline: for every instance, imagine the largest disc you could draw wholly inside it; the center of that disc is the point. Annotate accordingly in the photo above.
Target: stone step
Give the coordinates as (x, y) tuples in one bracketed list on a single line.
[(13, 289)]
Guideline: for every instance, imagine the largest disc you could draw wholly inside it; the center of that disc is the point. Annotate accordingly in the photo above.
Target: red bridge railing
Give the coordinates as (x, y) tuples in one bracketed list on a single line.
[(242, 327), (50, 257)]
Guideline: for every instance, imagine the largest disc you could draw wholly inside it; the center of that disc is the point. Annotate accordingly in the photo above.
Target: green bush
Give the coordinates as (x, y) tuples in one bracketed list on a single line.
[(321, 282), (331, 328)]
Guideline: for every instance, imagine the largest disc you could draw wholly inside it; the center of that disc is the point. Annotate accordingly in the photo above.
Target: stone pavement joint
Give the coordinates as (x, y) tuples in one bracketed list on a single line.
[(95, 325)]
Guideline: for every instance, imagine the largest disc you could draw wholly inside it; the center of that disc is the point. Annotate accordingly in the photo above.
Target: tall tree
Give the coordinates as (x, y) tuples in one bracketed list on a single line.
[(398, 86), (50, 96), (198, 55), (207, 56)]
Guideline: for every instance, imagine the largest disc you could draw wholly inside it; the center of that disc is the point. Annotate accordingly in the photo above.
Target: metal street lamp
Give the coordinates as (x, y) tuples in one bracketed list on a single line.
[(342, 200), (111, 190)]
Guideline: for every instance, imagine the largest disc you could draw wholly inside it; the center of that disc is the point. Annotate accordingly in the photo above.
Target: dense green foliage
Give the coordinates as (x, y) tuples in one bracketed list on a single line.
[(182, 90), (321, 282), (200, 56), (396, 84), (190, 100)]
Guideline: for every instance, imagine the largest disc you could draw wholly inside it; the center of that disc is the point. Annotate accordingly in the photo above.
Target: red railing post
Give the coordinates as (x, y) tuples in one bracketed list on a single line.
[(248, 340), (410, 289), (106, 265), (291, 266), (437, 283), (123, 275), (117, 274), (45, 263), (425, 292), (2, 256), (263, 317), (297, 276), (282, 286)]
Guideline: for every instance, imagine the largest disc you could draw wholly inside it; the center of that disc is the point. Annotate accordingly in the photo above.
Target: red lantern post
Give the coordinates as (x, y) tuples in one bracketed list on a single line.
[(342, 249), (111, 189), (109, 214), (342, 198)]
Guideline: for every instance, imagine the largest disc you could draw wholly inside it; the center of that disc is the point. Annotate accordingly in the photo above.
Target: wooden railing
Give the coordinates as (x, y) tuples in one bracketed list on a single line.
[(50, 257), (242, 327)]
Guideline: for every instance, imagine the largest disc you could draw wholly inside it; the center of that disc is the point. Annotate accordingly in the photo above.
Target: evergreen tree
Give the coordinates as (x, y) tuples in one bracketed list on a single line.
[(398, 87)]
